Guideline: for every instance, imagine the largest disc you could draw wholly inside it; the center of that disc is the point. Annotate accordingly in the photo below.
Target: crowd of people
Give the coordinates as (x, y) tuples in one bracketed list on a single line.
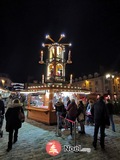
[(98, 113)]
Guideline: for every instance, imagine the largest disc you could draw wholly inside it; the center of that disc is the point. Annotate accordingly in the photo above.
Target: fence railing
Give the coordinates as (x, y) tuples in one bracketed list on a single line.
[(59, 130)]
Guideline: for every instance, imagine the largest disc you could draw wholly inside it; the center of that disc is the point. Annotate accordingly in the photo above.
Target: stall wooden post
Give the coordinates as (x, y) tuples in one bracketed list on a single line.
[(51, 95), (78, 97)]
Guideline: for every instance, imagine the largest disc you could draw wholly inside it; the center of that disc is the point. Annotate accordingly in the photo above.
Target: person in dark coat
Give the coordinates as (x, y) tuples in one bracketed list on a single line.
[(81, 116), (68, 101), (72, 113), (110, 107), (60, 108), (2, 106), (66, 122), (13, 122), (101, 119), (2, 112)]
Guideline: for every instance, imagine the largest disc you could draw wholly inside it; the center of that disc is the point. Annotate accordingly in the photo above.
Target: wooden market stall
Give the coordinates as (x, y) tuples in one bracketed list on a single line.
[(41, 101), (40, 106)]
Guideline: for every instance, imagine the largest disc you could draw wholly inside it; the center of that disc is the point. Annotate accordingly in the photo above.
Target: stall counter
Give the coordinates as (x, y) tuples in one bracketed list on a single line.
[(42, 115)]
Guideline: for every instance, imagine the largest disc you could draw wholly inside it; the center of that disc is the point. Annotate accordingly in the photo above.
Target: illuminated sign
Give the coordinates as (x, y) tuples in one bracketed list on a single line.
[(17, 86)]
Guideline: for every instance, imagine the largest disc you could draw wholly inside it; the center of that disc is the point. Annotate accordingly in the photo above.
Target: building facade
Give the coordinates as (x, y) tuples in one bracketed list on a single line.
[(108, 84)]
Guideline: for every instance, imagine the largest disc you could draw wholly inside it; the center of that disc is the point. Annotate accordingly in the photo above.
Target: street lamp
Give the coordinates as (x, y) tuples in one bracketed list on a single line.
[(3, 82), (108, 76), (71, 78)]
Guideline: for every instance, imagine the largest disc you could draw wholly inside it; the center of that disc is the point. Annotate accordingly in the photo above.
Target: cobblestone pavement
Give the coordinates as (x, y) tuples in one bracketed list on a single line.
[(33, 137)]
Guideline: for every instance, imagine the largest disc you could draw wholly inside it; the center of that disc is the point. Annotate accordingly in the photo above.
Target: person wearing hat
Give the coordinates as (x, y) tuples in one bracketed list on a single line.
[(13, 123)]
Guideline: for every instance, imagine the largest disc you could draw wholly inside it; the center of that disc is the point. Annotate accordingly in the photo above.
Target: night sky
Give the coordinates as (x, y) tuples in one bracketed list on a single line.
[(93, 28)]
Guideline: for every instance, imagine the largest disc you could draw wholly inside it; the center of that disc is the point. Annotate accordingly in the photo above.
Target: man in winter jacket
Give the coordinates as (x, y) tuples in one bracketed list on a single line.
[(101, 119), (13, 123), (59, 107), (110, 107)]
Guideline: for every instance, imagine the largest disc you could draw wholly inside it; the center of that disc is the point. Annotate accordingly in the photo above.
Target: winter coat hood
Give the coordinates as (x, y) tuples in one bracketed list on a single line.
[(59, 104), (15, 103)]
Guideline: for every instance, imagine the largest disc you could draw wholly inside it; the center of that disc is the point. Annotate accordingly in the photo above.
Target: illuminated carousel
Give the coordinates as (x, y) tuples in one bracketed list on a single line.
[(43, 96)]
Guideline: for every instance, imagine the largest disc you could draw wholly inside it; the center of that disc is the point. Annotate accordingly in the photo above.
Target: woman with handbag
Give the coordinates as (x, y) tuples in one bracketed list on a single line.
[(13, 121)]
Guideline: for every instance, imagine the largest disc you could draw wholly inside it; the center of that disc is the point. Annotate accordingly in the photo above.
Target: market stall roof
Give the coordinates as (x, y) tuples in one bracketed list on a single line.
[(59, 88)]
